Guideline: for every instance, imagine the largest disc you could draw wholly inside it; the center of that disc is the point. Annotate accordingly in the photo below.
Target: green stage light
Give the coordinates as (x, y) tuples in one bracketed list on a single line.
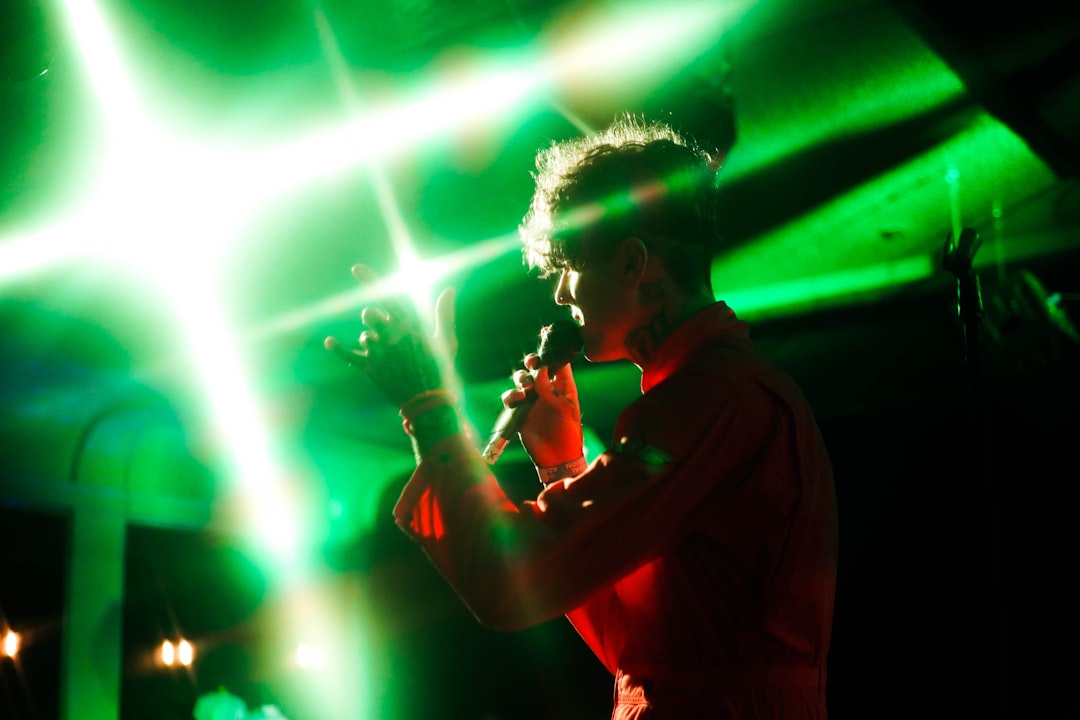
[(164, 204)]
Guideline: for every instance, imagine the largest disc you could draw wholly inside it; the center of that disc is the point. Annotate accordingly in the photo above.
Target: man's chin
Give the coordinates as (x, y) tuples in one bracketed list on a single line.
[(594, 349), (595, 354)]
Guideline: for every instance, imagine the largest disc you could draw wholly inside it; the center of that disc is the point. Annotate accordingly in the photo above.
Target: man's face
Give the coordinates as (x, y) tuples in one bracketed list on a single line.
[(601, 305)]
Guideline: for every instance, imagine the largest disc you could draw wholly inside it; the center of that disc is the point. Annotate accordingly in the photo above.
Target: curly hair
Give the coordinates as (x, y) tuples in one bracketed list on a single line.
[(635, 178)]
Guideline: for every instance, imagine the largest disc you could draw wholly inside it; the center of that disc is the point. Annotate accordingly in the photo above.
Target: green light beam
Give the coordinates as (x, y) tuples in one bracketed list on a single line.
[(645, 42), (817, 291), (338, 305), (28, 252), (105, 71), (920, 199), (606, 49), (413, 277)]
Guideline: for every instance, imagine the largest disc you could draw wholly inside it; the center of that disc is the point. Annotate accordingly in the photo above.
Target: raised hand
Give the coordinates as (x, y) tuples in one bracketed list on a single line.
[(395, 351)]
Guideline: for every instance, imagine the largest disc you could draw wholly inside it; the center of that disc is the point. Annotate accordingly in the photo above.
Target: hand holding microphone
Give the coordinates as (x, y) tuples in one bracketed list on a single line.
[(551, 395)]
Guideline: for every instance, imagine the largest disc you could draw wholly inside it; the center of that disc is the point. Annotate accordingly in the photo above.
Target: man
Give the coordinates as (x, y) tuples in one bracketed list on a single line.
[(697, 555)]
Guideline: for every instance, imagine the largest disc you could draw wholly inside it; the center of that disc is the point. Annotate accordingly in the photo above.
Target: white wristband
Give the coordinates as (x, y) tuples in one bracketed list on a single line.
[(550, 474)]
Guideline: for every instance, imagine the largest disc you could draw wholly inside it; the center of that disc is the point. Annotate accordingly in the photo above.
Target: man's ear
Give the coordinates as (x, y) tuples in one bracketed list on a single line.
[(634, 257)]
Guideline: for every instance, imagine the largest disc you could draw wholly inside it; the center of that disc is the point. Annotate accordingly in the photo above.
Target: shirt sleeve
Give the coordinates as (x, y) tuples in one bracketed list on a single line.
[(515, 565)]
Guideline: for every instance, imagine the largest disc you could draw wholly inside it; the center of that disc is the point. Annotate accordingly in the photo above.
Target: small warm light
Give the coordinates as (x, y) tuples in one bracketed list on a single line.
[(11, 644), (185, 653), (181, 653), (310, 657)]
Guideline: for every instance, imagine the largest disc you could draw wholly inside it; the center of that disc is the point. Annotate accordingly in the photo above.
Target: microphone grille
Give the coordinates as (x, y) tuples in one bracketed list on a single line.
[(560, 342)]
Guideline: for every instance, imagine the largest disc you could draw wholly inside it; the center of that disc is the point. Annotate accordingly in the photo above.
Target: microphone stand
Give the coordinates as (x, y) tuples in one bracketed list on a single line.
[(958, 259)]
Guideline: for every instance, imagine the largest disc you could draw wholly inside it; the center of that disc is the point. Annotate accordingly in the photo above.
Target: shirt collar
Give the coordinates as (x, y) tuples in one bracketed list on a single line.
[(677, 349)]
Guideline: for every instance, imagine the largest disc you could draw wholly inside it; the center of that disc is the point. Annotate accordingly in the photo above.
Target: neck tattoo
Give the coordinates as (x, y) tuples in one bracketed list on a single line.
[(643, 340)]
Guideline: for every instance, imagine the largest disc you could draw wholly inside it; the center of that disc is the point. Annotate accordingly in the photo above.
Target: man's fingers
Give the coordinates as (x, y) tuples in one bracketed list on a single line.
[(395, 310), (512, 398), (523, 380), (349, 356), (364, 274), (445, 322), (561, 383), (373, 317), (367, 339), (563, 380)]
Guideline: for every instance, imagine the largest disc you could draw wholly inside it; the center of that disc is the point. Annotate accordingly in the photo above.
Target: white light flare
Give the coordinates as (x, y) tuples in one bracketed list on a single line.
[(621, 43), (239, 425), (26, 253), (435, 271), (99, 54), (384, 131), (413, 276), (310, 657), (165, 208)]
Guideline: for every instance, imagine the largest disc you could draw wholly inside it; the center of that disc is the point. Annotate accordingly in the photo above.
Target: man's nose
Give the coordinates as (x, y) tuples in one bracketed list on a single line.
[(562, 289)]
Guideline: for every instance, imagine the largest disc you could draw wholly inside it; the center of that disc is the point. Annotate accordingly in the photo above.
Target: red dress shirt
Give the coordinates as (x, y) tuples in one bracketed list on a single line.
[(696, 558)]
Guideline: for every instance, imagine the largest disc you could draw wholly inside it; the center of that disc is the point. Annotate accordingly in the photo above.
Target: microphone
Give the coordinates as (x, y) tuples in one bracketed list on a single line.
[(560, 343)]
